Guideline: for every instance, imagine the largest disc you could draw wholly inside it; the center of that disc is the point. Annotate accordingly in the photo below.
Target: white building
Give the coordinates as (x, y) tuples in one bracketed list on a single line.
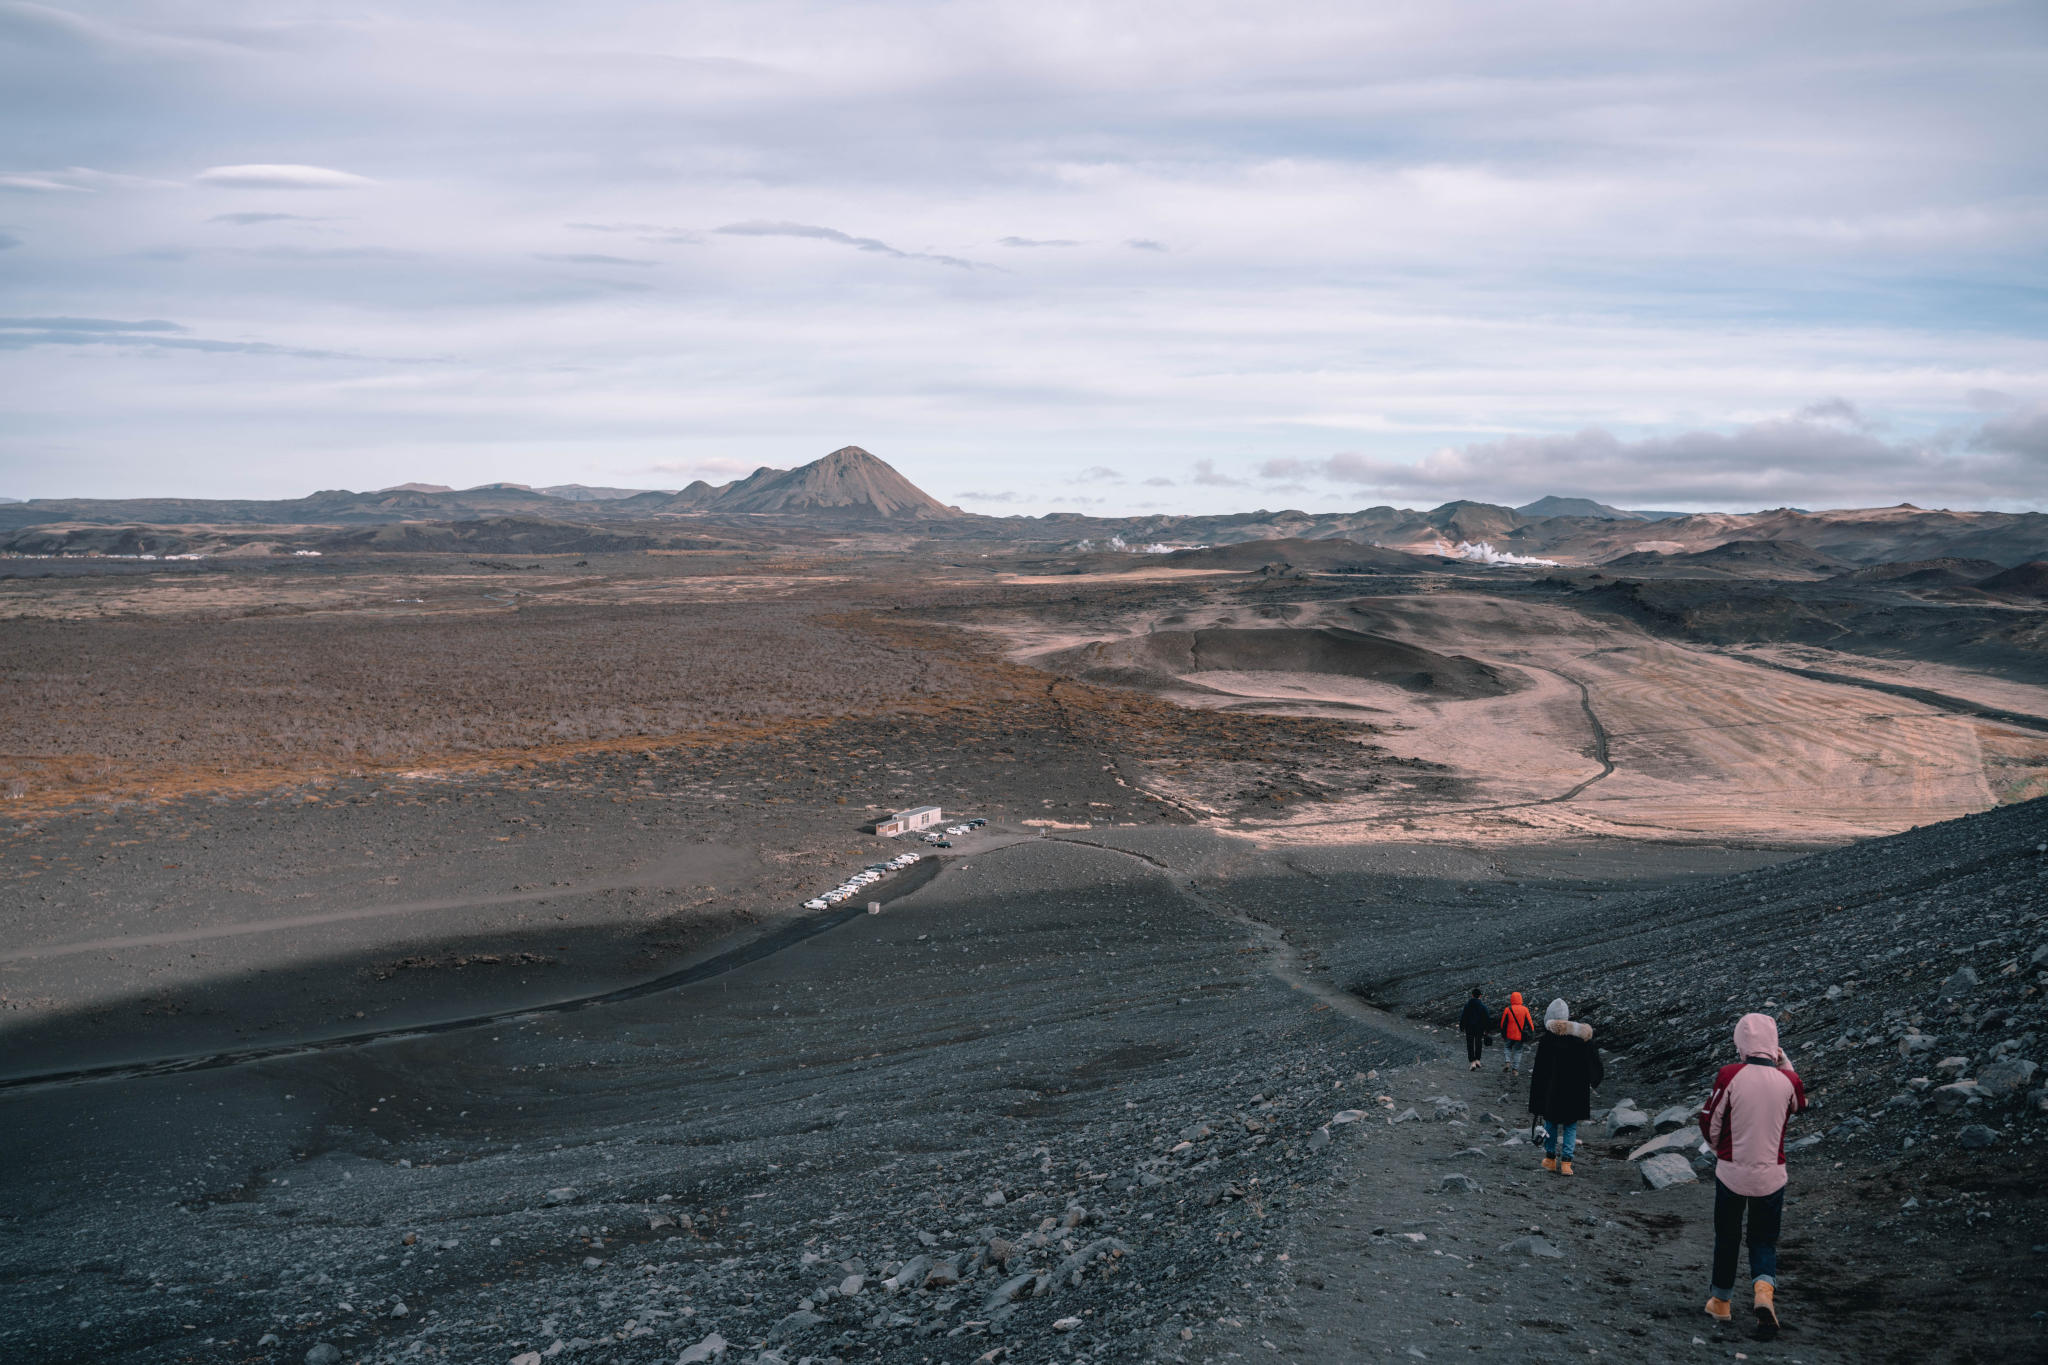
[(906, 821)]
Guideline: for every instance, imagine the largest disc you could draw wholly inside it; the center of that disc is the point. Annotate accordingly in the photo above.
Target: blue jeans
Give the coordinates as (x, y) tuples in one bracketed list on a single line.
[(1560, 1139), (1514, 1055), (1766, 1214)]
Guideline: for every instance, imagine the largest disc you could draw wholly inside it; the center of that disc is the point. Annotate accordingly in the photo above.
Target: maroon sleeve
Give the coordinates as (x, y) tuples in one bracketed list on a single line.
[(1798, 1090)]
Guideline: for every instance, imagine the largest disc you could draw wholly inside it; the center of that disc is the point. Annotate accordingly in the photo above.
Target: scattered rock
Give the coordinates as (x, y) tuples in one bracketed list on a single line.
[(1068, 1272), (591, 1263), (399, 1310), (1666, 1169), (795, 1322), (2005, 1078), (1462, 1183), (1952, 1098), (1066, 1324), (1531, 1246), (1673, 1141), (910, 1275), (567, 1194), (1975, 1135), (1952, 1066), (1626, 1118), (711, 1348), (1960, 984), (1669, 1120), (1406, 1115), (323, 1353), (1016, 1287)]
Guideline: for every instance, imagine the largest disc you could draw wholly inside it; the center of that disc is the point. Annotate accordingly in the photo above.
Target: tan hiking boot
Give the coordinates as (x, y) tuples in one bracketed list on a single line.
[(1765, 1299), (1720, 1310), (1550, 1163), (1564, 1168)]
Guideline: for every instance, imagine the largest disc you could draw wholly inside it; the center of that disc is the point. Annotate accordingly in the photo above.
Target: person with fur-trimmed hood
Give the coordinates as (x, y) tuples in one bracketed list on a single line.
[(1745, 1121), (1561, 1084)]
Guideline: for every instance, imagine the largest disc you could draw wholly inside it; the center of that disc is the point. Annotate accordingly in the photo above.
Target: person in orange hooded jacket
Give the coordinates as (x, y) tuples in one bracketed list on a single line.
[(1516, 1029)]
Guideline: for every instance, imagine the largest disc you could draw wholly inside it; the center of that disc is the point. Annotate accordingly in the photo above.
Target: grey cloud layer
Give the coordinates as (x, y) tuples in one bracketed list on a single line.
[(1826, 454), (825, 234), (1591, 242)]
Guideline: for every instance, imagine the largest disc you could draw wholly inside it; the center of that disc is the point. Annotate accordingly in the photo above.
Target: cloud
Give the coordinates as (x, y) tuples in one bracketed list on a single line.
[(251, 219), (280, 177), (1205, 474), (711, 471), (88, 325), (766, 229), (1836, 410), (646, 232), (290, 252), (586, 258), (989, 497), (39, 184), (1990, 400), (1827, 454), (8, 241), (21, 334), (1027, 241), (1144, 244), (2023, 433), (1158, 482), (1096, 473)]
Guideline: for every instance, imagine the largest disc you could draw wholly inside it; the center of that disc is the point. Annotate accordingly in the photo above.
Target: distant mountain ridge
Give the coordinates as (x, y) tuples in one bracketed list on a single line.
[(851, 491), (848, 483), (1585, 507)]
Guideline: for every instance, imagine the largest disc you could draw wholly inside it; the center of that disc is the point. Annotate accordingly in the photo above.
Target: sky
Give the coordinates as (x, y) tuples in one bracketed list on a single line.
[(1110, 257)]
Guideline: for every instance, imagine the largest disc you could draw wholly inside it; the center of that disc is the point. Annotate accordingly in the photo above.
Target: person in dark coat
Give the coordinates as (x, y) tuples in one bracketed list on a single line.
[(1561, 1084), (1475, 1022)]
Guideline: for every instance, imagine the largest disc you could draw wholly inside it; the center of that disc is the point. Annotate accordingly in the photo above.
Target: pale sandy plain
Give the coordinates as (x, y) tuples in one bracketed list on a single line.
[(1705, 744)]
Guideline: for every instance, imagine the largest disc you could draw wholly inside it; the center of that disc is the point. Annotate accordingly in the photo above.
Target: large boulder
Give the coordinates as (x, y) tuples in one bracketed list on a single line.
[(2006, 1078), (1662, 1171), (1626, 1118), (1677, 1116), (1954, 1097), (1677, 1141)]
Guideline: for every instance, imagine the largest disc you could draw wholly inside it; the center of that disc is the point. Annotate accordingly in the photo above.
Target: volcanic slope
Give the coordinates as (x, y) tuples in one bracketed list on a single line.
[(1125, 1054)]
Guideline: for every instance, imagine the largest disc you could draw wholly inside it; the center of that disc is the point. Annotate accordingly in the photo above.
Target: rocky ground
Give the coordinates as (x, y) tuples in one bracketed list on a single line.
[(1079, 1098), (535, 1059)]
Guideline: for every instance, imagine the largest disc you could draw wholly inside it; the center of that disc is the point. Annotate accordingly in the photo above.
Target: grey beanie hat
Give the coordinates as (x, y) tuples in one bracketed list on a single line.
[(1558, 1010)]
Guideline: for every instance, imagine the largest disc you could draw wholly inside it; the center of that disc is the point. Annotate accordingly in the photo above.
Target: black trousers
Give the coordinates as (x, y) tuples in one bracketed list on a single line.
[(1475, 1043)]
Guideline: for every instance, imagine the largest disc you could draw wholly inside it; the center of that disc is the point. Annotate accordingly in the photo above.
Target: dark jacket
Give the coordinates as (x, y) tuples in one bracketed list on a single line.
[(1476, 1018), (1566, 1072)]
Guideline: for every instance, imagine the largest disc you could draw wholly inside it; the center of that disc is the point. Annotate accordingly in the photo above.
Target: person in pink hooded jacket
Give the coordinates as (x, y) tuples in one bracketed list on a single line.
[(1744, 1121)]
